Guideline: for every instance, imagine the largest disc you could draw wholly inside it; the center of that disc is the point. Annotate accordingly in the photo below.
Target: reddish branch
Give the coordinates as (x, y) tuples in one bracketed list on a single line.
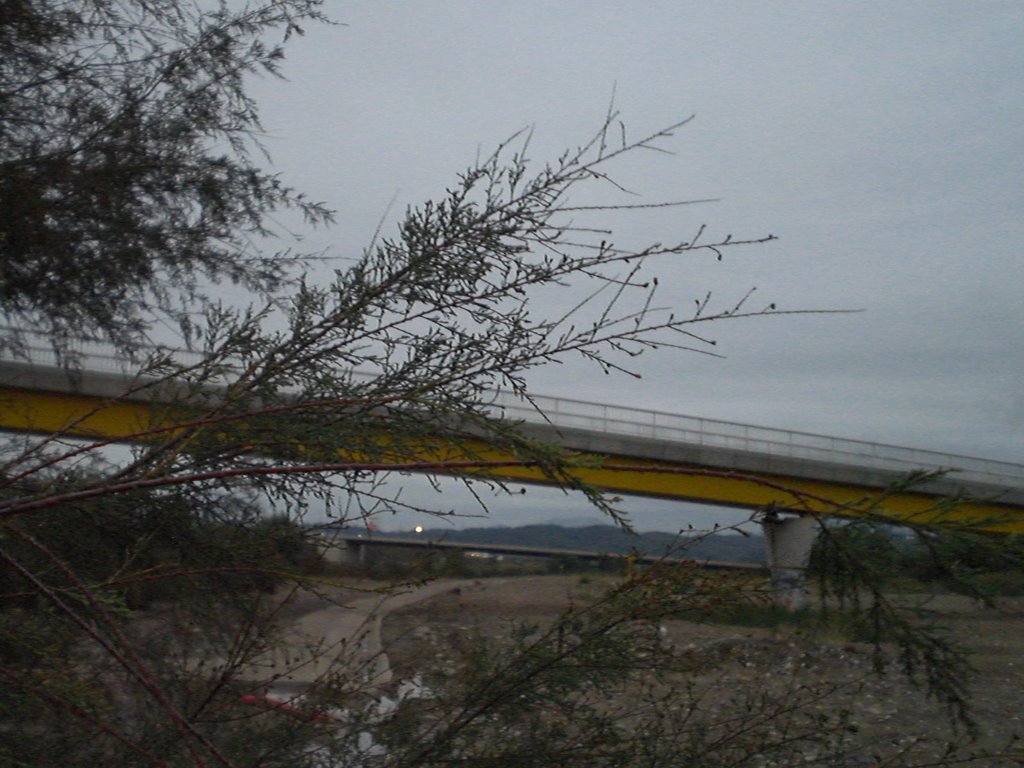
[(162, 576), (61, 703), (127, 658)]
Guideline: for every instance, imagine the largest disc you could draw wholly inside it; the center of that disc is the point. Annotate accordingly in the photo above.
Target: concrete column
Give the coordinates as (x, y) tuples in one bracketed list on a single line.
[(789, 541)]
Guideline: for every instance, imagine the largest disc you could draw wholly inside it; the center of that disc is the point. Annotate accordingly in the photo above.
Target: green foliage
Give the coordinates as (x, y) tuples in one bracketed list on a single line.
[(863, 567), (875, 548), (973, 563), (143, 547), (969, 562), (126, 142), (828, 626)]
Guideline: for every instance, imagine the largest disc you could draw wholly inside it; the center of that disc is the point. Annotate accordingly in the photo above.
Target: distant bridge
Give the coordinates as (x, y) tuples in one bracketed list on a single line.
[(358, 543), (636, 451)]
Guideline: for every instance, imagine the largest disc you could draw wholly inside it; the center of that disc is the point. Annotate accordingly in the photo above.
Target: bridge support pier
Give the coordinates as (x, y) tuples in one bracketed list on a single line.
[(789, 541)]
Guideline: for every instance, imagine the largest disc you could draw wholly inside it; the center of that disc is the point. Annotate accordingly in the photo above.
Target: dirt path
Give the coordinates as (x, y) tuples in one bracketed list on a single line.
[(340, 635)]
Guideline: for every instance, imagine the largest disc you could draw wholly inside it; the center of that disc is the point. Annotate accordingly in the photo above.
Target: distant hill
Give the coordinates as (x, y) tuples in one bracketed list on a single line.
[(604, 538), (580, 521)]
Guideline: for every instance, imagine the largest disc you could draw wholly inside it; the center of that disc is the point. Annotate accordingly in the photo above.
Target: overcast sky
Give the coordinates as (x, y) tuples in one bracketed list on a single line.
[(883, 143)]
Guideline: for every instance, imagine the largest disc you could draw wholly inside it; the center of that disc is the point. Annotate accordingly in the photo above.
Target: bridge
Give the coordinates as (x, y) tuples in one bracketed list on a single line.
[(356, 545), (634, 451)]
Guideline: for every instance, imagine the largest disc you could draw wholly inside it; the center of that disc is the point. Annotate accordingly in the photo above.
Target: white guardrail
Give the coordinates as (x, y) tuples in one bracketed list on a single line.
[(638, 422)]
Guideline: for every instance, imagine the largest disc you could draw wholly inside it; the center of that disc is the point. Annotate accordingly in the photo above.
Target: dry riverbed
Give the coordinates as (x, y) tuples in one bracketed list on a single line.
[(888, 718)]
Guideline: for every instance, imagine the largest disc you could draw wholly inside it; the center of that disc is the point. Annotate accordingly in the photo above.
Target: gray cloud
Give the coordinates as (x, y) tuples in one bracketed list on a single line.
[(882, 142)]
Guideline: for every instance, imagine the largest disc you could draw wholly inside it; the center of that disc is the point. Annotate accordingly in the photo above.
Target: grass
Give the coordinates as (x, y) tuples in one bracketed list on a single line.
[(833, 625)]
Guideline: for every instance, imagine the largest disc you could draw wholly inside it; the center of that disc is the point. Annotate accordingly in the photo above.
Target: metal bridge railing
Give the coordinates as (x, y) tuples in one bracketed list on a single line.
[(635, 422), (748, 438)]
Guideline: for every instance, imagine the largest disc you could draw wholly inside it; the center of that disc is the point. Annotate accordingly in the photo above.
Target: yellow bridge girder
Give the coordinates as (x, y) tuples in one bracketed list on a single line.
[(89, 417)]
